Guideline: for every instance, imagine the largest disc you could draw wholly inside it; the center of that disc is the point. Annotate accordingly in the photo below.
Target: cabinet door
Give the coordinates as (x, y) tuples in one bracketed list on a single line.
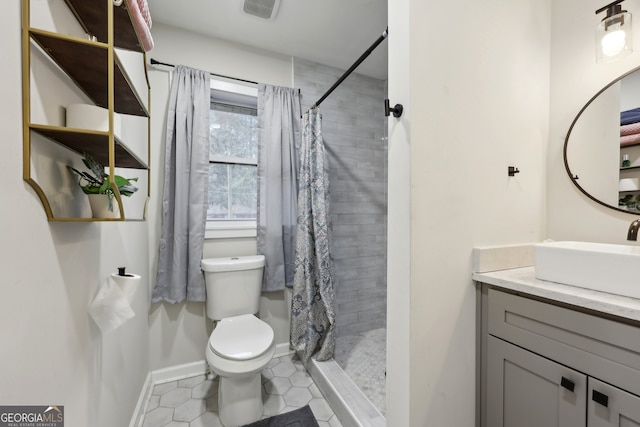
[(611, 407), (527, 390)]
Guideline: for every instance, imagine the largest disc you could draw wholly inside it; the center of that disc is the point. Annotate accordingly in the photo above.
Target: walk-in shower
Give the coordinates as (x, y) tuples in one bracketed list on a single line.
[(354, 132)]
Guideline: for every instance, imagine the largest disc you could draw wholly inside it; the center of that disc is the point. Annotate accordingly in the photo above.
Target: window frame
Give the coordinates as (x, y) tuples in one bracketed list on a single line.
[(225, 92)]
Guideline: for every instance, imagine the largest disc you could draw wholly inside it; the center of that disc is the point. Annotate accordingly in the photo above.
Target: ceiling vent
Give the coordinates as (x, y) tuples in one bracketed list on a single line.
[(265, 9)]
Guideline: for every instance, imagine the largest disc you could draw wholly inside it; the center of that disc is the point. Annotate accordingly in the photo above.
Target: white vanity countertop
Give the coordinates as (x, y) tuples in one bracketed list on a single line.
[(523, 280)]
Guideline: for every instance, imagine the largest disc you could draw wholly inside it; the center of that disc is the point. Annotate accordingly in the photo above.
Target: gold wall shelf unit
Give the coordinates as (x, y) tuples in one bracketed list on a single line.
[(93, 66)]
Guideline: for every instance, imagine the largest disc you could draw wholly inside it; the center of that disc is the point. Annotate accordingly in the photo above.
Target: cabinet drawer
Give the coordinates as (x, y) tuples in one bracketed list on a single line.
[(600, 347)]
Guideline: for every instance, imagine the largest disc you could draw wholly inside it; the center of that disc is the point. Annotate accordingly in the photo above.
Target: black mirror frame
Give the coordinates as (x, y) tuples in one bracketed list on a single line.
[(574, 178)]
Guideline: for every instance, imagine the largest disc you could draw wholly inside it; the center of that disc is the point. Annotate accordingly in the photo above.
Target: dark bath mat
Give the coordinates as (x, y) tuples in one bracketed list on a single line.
[(302, 417)]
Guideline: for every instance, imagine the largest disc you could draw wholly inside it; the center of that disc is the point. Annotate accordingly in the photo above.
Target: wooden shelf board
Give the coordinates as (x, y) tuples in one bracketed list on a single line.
[(93, 142), (86, 63), (629, 168), (93, 17), (634, 144)]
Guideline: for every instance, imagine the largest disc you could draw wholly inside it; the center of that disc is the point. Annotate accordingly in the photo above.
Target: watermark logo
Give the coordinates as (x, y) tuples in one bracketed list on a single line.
[(32, 416)]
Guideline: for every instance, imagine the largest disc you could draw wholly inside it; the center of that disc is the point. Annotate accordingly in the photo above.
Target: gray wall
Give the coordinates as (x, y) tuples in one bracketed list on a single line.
[(353, 126)]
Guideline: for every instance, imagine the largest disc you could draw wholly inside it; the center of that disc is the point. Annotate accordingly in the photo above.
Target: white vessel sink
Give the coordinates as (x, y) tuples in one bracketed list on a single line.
[(603, 267)]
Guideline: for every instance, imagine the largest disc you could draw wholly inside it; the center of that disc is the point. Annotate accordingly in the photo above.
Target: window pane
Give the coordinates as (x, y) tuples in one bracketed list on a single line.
[(232, 192), (218, 192), (233, 134)]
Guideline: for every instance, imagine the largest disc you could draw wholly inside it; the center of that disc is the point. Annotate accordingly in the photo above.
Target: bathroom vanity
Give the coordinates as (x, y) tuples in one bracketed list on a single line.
[(555, 355)]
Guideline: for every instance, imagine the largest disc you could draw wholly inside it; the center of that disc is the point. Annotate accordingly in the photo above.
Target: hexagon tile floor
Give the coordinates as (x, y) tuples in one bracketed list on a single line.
[(193, 402)]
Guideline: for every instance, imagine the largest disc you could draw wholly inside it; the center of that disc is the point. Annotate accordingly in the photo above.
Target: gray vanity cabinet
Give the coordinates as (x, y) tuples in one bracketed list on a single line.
[(526, 390), (611, 407), (546, 364)]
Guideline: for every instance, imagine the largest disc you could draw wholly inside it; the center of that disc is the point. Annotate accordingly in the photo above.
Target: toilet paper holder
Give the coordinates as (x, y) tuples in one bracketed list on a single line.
[(128, 283), (121, 272)]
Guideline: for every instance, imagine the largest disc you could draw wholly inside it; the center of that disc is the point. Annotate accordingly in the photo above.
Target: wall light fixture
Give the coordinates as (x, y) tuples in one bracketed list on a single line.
[(613, 33)]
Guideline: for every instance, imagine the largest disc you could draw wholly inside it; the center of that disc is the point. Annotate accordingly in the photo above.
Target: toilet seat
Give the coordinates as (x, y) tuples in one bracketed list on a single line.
[(241, 338)]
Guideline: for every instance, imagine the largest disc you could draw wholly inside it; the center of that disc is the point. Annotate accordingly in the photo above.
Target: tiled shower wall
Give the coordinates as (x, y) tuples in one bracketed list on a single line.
[(354, 131)]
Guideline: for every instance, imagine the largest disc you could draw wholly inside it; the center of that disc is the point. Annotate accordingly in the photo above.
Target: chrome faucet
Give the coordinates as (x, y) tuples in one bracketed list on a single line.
[(633, 230)]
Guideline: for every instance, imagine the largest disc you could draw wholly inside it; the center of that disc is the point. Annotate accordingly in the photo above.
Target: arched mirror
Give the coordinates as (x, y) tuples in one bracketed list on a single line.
[(602, 147)]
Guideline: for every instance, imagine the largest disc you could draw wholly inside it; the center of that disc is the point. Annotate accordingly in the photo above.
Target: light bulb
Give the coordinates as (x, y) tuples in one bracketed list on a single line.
[(613, 42)]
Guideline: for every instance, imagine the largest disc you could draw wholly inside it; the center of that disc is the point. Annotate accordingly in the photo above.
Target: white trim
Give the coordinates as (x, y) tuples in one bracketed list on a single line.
[(230, 229), (137, 418), (225, 86), (282, 349), (179, 372), (234, 94)]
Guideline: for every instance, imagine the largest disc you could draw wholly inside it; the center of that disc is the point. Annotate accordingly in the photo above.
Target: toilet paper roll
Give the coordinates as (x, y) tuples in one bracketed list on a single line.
[(110, 308), (127, 284), (91, 117)]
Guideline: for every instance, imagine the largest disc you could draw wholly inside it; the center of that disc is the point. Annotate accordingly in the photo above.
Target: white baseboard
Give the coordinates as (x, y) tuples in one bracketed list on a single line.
[(179, 372), (160, 376), (143, 401), (282, 349)]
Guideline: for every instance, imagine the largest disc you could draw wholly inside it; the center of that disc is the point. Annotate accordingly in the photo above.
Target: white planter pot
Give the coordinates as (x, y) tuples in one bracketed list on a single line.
[(100, 206)]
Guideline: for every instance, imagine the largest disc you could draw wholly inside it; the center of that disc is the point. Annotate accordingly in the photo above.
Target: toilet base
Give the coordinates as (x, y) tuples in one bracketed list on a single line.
[(240, 386), (240, 400)]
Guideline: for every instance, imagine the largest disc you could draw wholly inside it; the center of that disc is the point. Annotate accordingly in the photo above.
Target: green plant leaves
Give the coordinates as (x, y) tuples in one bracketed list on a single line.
[(125, 186), (95, 167), (98, 183)]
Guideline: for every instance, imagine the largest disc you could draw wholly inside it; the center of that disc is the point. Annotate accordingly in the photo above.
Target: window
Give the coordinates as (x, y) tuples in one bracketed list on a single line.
[(233, 156)]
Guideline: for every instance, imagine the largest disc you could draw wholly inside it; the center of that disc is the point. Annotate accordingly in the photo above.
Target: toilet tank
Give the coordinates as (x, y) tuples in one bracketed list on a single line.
[(233, 285)]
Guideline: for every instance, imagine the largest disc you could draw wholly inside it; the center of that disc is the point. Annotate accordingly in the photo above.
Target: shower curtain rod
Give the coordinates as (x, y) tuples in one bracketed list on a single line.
[(154, 62), (355, 65)]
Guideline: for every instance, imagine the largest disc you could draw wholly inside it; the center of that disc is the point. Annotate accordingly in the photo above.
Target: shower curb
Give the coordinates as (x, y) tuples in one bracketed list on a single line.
[(351, 406)]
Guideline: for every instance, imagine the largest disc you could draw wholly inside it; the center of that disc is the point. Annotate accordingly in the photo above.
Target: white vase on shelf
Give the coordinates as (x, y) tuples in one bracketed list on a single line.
[(100, 206)]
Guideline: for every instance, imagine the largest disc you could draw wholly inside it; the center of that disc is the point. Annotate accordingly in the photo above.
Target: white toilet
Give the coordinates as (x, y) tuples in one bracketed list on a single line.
[(240, 345)]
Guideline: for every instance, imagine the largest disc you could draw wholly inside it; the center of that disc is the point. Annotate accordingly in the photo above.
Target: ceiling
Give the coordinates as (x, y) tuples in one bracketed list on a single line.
[(329, 32)]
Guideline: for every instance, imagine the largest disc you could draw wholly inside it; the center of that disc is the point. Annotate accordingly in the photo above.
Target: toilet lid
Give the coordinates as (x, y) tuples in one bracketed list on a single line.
[(241, 337)]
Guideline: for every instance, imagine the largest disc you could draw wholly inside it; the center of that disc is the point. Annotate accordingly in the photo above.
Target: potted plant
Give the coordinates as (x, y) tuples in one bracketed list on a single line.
[(97, 187)]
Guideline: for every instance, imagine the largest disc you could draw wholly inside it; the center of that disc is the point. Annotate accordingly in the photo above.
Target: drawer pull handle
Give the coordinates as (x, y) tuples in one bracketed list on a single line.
[(600, 398), (568, 384)]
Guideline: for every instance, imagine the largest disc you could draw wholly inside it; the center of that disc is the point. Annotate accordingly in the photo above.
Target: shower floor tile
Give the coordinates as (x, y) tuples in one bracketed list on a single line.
[(364, 358), (193, 402)]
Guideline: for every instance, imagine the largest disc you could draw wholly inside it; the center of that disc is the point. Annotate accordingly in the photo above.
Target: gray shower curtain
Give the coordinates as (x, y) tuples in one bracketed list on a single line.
[(184, 202), (312, 310), (278, 139)]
